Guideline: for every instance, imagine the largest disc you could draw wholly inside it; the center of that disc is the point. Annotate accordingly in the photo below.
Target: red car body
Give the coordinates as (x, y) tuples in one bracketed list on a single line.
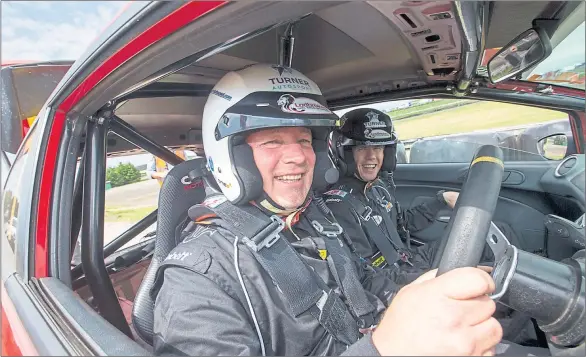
[(37, 159)]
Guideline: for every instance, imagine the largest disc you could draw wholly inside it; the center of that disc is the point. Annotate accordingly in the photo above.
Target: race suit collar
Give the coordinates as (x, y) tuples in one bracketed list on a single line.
[(270, 207), (367, 184)]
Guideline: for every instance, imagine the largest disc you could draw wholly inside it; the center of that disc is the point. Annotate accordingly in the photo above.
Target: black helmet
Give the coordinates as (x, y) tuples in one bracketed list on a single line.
[(363, 126)]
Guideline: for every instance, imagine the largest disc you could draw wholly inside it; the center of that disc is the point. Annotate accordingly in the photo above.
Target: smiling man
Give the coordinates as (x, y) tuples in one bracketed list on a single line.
[(289, 184)]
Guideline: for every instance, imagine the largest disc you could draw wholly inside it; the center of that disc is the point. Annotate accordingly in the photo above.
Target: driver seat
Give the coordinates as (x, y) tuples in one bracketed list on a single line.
[(178, 193)]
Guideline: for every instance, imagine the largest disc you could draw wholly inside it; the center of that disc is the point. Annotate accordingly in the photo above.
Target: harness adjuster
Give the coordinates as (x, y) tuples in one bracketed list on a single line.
[(267, 236), (366, 214), (404, 256), (322, 300), (329, 230), (366, 324)]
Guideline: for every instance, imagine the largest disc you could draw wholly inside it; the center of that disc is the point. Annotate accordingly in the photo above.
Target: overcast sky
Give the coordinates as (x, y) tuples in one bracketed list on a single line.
[(52, 30)]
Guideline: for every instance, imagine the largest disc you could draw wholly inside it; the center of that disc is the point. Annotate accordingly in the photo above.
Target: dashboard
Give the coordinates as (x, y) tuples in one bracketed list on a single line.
[(567, 180)]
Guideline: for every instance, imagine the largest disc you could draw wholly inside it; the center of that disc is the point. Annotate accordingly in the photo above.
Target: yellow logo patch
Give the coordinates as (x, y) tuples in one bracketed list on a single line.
[(378, 261), (323, 254)]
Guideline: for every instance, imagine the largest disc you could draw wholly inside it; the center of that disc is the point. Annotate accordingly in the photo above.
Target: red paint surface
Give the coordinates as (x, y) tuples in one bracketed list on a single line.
[(525, 86), (9, 346), (15, 339), (582, 116)]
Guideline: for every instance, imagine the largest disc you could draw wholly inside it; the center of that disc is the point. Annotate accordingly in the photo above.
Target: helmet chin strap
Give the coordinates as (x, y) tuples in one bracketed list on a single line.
[(357, 175), (367, 184), (265, 203), (290, 216)]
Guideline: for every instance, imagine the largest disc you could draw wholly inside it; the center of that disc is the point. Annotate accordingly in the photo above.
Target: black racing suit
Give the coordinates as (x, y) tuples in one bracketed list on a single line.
[(414, 220), (201, 308)]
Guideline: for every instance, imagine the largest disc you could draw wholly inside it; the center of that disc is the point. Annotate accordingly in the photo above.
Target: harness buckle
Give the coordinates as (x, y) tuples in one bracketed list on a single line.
[(366, 214), (405, 257), (332, 230), (267, 236)]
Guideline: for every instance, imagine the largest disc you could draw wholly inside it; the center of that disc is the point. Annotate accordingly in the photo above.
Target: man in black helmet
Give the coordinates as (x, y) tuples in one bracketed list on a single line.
[(364, 202)]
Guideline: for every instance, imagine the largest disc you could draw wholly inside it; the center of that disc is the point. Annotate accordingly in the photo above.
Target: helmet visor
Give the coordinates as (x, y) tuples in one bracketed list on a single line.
[(232, 124), (265, 110)]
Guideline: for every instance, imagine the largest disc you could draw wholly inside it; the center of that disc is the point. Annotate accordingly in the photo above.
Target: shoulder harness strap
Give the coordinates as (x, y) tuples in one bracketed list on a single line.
[(342, 266), (383, 198), (302, 288), (392, 248)]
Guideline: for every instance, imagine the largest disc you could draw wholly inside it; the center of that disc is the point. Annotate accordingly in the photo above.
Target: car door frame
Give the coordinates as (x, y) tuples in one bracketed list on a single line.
[(40, 314)]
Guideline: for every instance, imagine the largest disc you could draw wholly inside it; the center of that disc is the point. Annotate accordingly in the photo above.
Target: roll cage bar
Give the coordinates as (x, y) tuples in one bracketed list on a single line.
[(89, 201)]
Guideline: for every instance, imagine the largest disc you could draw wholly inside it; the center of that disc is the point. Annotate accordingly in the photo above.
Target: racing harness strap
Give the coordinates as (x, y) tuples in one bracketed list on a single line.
[(303, 289), (341, 265), (388, 243)]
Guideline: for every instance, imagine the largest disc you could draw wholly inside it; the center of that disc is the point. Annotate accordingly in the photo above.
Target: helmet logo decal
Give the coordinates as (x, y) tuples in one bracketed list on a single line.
[(282, 69), (225, 184), (281, 83), (376, 134), (290, 104), (289, 83), (371, 131), (373, 121), (210, 164), (222, 94)]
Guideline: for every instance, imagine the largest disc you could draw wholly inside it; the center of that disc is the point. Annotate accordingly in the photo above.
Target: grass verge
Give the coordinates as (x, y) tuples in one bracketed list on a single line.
[(126, 214), (397, 114), (477, 116)]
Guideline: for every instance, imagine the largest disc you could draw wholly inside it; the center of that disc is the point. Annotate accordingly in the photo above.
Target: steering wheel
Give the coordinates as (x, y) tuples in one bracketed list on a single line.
[(465, 237), (548, 291)]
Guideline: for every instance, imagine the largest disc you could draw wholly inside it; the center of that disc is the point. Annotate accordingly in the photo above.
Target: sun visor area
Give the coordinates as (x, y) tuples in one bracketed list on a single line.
[(25, 89)]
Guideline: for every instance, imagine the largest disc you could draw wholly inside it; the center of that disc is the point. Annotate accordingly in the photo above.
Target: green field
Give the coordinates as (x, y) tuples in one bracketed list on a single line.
[(127, 214), (404, 112), (476, 116)]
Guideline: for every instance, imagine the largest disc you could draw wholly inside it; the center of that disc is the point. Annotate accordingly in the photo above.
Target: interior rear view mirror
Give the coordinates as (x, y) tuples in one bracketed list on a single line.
[(525, 51), (553, 147)]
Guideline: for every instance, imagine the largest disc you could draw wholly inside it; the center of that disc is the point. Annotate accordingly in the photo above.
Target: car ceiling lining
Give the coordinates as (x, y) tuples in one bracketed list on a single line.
[(345, 77)]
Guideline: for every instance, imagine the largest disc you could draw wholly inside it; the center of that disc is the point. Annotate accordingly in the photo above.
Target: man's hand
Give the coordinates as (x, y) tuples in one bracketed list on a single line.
[(443, 316), (451, 197)]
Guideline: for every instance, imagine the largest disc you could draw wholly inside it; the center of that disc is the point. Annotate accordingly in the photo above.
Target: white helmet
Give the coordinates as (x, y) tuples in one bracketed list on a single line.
[(258, 97)]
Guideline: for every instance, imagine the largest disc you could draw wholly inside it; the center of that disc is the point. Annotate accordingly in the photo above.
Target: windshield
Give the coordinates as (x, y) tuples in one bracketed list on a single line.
[(565, 65)]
